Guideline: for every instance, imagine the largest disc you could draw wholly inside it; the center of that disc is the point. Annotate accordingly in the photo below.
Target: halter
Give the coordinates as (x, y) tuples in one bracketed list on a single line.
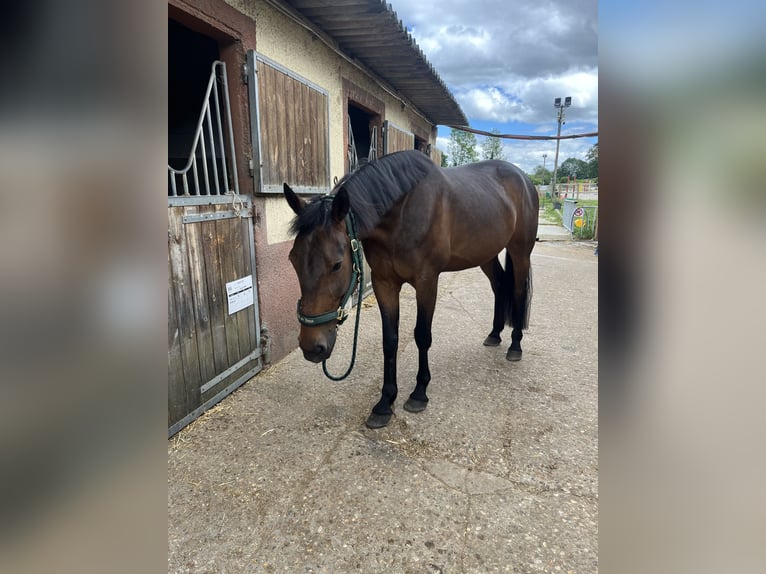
[(341, 314)]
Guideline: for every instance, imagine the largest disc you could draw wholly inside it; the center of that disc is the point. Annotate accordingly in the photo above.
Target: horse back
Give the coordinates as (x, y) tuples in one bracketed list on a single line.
[(455, 218), (492, 199)]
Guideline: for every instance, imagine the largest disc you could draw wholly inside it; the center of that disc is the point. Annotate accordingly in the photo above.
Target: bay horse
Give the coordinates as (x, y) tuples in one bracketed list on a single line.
[(415, 220)]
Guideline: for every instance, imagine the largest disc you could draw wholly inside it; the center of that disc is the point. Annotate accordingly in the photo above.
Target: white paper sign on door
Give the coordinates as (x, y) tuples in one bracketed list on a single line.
[(240, 293)]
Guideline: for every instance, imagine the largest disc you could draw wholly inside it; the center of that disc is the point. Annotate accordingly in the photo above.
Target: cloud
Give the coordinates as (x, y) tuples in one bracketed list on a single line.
[(464, 40), (531, 100), (507, 62), (490, 103), (529, 154)]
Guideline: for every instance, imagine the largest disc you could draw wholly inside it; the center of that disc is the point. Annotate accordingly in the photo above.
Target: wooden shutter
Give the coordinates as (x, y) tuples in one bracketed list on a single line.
[(396, 138), (290, 126)]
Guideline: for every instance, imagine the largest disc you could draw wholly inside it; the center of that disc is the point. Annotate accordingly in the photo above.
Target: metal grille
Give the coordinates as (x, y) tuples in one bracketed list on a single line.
[(353, 159), (373, 155), (208, 170)]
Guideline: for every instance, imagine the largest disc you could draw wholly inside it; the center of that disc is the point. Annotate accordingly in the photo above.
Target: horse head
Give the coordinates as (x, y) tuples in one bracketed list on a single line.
[(323, 261)]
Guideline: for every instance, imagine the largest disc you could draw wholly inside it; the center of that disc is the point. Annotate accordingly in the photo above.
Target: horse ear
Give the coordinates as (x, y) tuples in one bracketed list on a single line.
[(340, 205), (295, 202)]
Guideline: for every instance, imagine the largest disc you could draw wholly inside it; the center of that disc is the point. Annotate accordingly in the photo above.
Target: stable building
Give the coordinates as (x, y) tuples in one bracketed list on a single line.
[(262, 92)]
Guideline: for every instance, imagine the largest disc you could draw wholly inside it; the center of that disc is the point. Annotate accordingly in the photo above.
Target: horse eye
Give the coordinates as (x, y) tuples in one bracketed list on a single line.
[(337, 266)]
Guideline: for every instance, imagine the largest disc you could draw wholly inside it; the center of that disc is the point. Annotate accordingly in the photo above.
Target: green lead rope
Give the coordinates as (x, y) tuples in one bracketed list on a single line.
[(360, 284), (358, 263)]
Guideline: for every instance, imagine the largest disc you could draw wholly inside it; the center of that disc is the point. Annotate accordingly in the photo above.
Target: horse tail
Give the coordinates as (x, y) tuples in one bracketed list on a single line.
[(516, 316), (527, 299)]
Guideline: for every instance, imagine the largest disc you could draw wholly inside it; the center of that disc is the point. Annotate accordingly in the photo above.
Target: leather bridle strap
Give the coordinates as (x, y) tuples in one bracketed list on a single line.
[(357, 277)]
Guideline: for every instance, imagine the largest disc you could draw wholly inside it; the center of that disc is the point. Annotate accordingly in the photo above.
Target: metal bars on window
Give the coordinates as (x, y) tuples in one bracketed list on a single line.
[(353, 159), (373, 155), (208, 170)]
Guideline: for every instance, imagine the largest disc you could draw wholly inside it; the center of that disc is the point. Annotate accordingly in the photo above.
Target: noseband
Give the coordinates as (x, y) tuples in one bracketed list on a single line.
[(357, 275)]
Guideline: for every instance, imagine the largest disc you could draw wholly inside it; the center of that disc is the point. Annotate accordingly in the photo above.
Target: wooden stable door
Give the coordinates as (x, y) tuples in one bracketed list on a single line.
[(213, 323)]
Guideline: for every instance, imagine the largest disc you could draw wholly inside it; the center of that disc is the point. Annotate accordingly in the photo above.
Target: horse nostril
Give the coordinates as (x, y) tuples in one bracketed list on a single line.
[(319, 349)]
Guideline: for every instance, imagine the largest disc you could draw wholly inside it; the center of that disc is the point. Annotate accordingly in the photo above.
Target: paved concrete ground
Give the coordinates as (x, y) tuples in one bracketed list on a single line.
[(549, 228), (499, 474), (552, 232)]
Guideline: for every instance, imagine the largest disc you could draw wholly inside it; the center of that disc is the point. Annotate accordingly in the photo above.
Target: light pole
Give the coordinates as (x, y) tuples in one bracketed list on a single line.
[(560, 107)]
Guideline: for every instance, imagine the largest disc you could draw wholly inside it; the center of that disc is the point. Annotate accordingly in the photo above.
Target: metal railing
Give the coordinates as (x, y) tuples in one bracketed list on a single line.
[(209, 146), (570, 205), (579, 220), (353, 157)]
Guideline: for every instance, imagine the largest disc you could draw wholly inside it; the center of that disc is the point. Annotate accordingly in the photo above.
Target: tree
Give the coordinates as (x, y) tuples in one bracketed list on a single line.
[(462, 147), (541, 176), (492, 147), (445, 160), (592, 157), (574, 168)]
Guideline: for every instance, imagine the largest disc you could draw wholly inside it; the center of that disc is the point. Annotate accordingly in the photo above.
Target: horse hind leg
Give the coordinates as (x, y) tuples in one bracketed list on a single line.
[(519, 276), (494, 272)]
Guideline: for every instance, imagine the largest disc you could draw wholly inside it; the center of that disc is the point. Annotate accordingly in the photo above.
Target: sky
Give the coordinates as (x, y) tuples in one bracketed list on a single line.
[(505, 62)]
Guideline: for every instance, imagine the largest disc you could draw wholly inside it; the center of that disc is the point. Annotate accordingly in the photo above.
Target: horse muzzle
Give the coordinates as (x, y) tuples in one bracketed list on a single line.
[(317, 344)]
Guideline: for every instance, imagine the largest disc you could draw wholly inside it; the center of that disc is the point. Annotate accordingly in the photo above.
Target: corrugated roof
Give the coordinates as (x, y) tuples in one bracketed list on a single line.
[(370, 32)]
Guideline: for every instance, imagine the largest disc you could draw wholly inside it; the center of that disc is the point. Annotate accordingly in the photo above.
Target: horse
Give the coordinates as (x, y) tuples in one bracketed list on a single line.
[(415, 220)]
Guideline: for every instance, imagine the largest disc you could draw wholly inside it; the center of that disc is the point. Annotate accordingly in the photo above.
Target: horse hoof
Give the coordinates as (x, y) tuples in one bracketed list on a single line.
[(376, 421), (415, 406), (513, 355), (491, 341)]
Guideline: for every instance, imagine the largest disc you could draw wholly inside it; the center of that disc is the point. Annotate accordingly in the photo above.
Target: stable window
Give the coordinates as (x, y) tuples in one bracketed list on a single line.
[(201, 156), (422, 146), (362, 136)]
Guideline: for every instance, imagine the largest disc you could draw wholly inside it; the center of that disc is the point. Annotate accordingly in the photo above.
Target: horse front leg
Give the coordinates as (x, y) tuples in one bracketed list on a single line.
[(387, 294), (426, 299)]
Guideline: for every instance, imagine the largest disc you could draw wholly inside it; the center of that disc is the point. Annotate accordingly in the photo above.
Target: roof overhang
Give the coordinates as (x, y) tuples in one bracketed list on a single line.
[(369, 32)]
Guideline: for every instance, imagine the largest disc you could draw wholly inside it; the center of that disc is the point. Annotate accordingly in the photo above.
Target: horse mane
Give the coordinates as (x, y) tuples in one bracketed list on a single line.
[(372, 190)]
